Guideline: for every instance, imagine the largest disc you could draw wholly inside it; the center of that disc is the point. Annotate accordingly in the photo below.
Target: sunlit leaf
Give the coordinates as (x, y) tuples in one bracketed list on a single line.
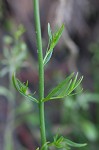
[(22, 88)]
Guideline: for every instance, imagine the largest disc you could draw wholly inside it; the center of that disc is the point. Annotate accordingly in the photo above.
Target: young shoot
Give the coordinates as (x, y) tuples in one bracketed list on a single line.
[(63, 89)]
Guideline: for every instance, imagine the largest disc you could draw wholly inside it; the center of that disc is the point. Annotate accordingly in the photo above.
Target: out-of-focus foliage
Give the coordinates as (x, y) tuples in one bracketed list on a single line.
[(14, 53), (1, 9), (94, 48), (14, 58), (76, 114)]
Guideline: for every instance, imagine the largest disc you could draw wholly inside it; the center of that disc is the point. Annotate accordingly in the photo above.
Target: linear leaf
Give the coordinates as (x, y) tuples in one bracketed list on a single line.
[(66, 89), (47, 57), (75, 84), (73, 144), (79, 81)]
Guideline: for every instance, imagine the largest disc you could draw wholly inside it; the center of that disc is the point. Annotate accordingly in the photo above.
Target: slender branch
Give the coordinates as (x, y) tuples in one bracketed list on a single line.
[(41, 71)]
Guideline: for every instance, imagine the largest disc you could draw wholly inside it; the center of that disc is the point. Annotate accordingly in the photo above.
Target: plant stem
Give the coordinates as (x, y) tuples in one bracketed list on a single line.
[(41, 71), (8, 135)]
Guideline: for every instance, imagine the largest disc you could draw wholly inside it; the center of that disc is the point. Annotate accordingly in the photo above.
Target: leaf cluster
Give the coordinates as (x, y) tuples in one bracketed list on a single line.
[(65, 88), (53, 40), (23, 88), (63, 143)]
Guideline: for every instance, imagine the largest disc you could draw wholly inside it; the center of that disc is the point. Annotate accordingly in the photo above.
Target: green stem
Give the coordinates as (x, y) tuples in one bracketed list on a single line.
[(41, 71), (8, 136)]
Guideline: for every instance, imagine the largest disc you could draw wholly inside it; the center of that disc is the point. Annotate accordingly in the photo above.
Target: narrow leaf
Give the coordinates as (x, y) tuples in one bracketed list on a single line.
[(79, 81), (76, 93), (60, 140), (73, 144), (66, 89), (74, 82), (75, 85), (47, 57)]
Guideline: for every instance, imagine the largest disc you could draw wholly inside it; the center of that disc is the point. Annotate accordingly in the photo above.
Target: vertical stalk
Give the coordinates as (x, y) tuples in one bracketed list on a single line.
[(41, 71), (8, 135)]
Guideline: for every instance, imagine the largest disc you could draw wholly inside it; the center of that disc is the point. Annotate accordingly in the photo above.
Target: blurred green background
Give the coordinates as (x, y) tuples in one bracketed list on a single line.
[(75, 117)]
